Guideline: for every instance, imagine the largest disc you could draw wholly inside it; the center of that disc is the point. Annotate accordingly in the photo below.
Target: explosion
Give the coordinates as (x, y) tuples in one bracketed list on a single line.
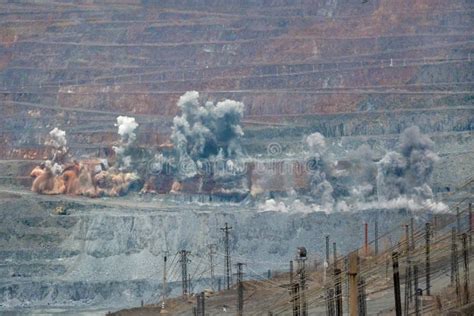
[(206, 158), (126, 129), (202, 159), (206, 131), (407, 172), (92, 177), (400, 179)]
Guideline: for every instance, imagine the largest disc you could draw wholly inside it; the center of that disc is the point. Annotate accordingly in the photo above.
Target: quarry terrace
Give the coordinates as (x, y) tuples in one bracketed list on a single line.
[(267, 157)]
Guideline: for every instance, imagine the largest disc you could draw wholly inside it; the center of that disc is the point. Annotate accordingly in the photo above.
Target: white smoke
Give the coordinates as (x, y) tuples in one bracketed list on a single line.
[(316, 143), (57, 140), (56, 168), (403, 202), (126, 129)]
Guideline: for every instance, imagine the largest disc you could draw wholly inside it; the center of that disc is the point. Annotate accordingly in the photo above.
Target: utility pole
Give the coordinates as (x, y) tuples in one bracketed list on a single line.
[(407, 239), (326, 262), (295, 297), (366, 242), (353, 270), (408, 293), (458, 220), (184, 270), (301, 258), (189, 283), (418, 294), (454, 264), (412, 233), (200, 309), (334, 250), (465, 255), (407, 289), (415, 278), (362, 297), (396, 284), (453, 242), (470, 225), (291, 272), (330, 301), (212, 252), (302, 285), (327, 249), (376, 232), (294, 293), (338, 292), (240, 302), (226, 230), (427, 256), (165, 287)]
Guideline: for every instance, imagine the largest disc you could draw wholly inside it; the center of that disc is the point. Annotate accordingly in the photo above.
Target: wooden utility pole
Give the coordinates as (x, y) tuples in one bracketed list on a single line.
[(226, 230), (353, 270), (396, 285)]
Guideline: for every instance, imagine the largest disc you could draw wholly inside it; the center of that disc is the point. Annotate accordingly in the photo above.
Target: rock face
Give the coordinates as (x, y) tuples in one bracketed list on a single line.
[(79, 66), (104, 256)]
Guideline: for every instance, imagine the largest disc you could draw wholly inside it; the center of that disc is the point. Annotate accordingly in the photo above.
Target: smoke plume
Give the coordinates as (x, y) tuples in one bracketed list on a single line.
[(58, 142), (399, 180), (319, 167), (126, 129), (407, 172), (206, 131)]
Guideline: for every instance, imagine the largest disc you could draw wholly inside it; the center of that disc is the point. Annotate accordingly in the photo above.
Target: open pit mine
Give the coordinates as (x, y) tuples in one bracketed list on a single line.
[(152, 151)]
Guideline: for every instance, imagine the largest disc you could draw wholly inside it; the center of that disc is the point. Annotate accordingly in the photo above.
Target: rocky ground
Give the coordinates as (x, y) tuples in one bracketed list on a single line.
[(72, 252)]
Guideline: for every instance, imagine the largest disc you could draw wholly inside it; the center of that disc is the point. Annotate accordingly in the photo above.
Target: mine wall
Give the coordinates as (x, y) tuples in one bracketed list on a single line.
[(102, 255)]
